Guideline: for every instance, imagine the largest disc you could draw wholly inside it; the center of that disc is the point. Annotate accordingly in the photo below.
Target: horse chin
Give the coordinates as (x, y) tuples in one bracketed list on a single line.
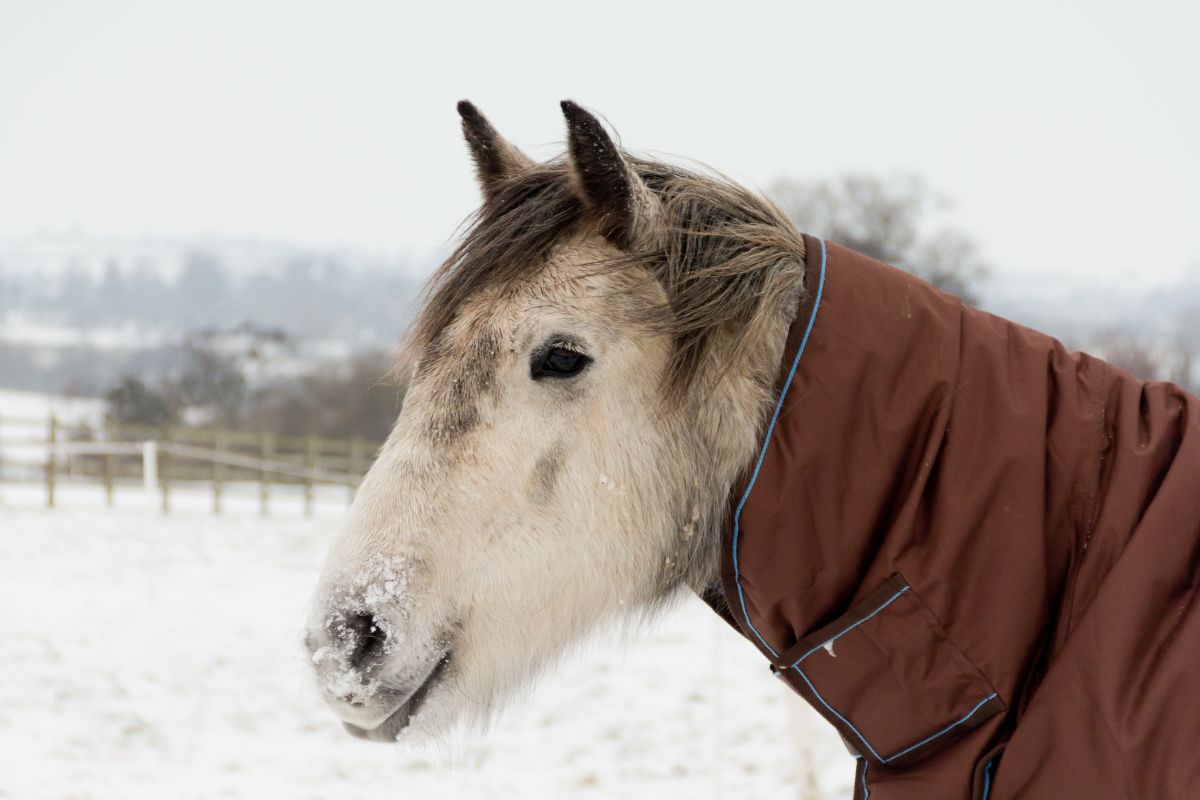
[(403, 715)]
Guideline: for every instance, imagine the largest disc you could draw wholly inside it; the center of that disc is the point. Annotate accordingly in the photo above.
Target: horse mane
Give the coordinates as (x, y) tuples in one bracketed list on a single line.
[(721, 253)]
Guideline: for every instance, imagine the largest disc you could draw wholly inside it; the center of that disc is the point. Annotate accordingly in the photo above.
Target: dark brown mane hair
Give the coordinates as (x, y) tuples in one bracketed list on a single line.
[(720, 252)]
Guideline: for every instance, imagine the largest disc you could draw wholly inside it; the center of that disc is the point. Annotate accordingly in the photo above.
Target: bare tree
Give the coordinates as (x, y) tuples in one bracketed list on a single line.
[(885, 219), (131, 401), (1175, 361), (348, 399), (1184, 369), (1129, 352)]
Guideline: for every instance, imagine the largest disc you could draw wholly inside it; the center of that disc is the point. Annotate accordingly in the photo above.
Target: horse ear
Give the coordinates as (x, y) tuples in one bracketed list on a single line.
[(606, 182), (495, 159)]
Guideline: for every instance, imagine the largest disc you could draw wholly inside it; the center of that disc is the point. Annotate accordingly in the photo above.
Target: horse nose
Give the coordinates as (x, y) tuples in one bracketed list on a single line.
[(362, 638), (356, 640)]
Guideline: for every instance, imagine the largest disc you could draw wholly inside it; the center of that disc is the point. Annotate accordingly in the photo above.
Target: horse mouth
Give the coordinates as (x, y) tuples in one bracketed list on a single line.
[(399, 719)]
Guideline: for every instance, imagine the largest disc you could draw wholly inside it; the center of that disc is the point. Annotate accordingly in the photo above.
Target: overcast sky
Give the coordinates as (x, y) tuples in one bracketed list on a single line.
[(1068, 140)]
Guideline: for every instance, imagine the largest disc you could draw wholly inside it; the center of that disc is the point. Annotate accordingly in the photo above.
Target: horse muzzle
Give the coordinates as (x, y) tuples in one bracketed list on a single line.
[(372, 670)]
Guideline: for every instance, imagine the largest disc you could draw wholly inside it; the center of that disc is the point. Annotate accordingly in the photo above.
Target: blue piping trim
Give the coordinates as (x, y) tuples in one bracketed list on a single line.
[(866, 789), (886, 603), (845, 721), (946, 729), (737, 514), (906, 750), (987, 779)]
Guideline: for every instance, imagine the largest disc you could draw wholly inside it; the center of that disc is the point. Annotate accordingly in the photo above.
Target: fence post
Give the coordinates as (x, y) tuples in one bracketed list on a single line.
[(108, 479), (218, 469), (310, 461), (164, 457), (51, 460), (150, 471), (267, 453)]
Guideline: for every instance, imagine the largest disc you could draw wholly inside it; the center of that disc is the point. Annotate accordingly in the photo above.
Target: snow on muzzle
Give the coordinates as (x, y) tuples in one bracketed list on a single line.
[(373, 659)]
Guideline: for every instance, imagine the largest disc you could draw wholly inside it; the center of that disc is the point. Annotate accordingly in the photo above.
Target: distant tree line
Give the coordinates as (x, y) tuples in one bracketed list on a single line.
[(175, 308), (305, 294)]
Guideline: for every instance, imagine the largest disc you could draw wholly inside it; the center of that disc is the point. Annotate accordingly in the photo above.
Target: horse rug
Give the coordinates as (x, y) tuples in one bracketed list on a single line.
[(973, 552)]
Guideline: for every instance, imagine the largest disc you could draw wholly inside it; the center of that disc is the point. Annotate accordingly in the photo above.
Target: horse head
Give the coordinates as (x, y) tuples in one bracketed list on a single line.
[(587, 377)]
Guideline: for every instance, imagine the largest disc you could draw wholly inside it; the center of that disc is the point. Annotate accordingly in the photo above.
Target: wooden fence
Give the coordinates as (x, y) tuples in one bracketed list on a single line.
[(163, 459)]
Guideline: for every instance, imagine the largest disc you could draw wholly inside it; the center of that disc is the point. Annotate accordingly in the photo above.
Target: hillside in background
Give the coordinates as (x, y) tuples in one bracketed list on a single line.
[(78, 314)]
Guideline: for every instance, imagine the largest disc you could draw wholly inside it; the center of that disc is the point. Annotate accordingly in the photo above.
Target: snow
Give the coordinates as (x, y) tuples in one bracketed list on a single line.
[(38, 407), (148, 656), (25, 426), (24, 328)]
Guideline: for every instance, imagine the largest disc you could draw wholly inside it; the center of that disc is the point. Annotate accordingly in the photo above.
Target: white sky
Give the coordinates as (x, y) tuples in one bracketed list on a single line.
[(1067, 139)]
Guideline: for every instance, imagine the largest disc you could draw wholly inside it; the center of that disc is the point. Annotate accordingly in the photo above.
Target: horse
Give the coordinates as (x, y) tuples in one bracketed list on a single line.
[(606, 367), (587, 377)]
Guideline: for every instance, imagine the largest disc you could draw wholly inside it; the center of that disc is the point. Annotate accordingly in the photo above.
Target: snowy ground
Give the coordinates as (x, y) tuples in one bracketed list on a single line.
[(143, 656), (36, 406)]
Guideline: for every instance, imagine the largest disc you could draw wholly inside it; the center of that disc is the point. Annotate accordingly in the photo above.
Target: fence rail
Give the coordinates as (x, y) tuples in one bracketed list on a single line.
[(163, 459)]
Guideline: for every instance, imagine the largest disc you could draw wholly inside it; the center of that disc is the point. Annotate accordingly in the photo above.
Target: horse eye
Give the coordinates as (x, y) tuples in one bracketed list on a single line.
[(559, 362)]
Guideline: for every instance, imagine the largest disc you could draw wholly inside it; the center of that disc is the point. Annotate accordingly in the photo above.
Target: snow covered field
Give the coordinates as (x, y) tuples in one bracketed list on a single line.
[(39, 406), (158, 657)]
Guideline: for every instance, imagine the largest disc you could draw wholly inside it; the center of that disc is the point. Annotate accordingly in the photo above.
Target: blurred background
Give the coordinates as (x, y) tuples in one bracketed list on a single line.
[(215, 220)]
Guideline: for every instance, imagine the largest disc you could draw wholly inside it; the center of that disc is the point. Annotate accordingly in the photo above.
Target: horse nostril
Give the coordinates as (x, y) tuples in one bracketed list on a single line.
[(366, 637)]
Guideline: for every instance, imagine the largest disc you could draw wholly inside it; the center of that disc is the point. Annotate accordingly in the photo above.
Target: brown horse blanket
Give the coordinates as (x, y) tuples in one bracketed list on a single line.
[(974, 553)]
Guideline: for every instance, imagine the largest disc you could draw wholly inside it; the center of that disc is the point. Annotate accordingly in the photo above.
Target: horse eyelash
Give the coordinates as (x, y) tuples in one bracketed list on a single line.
[(564, 343)]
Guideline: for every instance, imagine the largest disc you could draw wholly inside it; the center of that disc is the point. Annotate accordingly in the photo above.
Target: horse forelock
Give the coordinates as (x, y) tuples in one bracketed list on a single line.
[(720, 253)]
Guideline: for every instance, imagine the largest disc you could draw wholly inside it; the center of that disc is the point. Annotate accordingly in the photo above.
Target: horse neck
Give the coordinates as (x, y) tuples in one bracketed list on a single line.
[(732, 409)]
